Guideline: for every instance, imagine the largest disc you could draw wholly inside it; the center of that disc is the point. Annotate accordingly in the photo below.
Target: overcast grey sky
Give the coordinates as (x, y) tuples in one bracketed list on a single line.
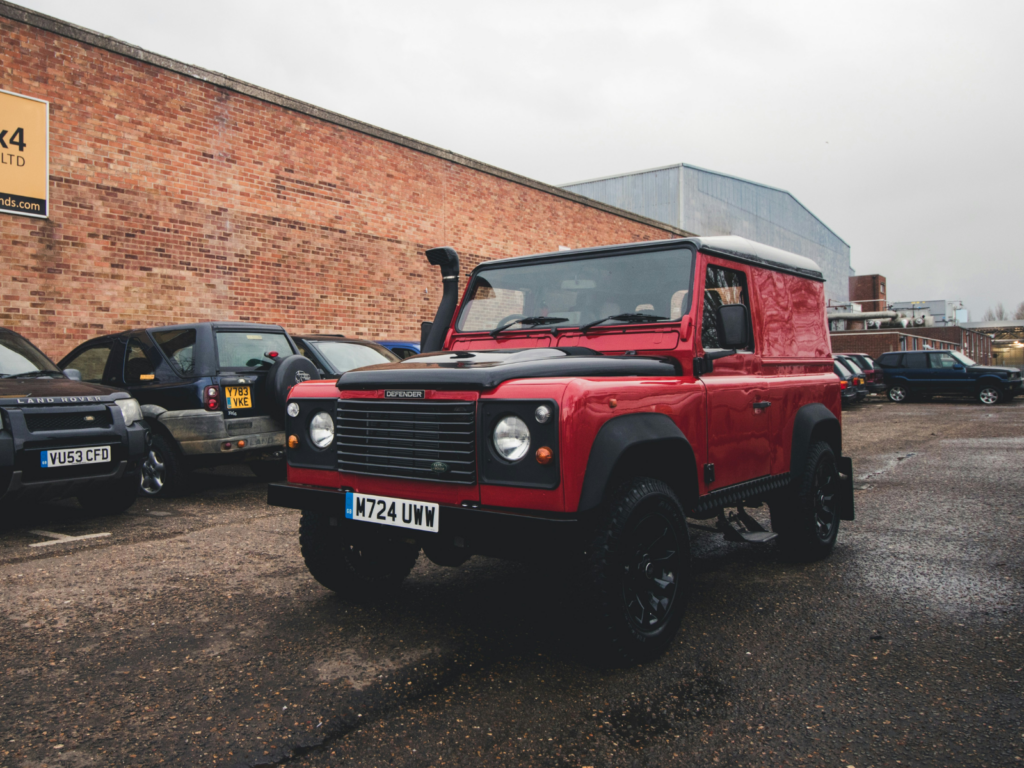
[(897, 123)]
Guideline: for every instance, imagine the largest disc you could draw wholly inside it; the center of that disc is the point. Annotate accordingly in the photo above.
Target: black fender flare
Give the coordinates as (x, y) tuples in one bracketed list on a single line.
[(816, 422), (807, 422), (622, 434)]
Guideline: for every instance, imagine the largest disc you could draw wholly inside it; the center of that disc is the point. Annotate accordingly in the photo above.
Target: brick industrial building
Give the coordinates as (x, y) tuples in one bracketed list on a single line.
[(869, 291), (177, 194)]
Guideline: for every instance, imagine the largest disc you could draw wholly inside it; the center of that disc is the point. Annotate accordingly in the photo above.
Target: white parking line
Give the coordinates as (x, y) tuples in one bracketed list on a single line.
[(62, 538)]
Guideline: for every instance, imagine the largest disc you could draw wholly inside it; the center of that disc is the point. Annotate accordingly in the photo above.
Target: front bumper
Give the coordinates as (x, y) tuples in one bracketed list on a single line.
[(509, 534)]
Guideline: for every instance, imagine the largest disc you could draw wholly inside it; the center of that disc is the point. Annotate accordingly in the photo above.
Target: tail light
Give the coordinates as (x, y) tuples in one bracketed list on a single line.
[(212, 397), (843, 384)]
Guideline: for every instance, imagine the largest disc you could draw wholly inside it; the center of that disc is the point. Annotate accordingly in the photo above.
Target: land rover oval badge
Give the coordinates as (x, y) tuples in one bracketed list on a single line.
[(439, 467)]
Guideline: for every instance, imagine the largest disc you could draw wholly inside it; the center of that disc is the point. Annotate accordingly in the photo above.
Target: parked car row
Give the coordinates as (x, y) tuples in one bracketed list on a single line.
[(135, 412)]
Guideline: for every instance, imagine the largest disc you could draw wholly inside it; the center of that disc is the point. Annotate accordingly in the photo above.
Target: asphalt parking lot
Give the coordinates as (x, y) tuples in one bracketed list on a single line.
[(192, 635)]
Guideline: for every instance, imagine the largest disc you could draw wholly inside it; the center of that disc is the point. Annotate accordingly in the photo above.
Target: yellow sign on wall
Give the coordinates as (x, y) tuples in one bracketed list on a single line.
[(24, 155)]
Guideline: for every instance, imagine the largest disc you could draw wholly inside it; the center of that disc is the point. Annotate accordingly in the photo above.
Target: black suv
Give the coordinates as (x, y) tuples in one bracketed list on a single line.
[(213, 393), (61, 437), (910, 374), (334, 355)]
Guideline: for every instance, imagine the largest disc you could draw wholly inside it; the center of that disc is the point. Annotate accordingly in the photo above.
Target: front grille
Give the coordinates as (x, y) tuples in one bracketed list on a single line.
[(58, 422), (407, 439)]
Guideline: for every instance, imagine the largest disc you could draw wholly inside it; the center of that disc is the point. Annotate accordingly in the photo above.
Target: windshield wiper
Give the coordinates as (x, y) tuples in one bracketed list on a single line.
[(538, 320), (631, 317), (32, 374)]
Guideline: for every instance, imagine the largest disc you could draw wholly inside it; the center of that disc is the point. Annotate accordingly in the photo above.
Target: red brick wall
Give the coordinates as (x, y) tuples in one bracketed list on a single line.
[(874, 343), (870, 290), (176, 200)]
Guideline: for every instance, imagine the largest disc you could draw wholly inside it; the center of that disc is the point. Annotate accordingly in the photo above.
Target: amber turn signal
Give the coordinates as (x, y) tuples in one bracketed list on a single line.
[(612, 403), (544, 455), (241, 443), (293, 441)]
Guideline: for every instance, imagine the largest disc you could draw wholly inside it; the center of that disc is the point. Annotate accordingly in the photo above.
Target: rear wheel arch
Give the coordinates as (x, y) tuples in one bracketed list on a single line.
[(813, 423), (639, 444)]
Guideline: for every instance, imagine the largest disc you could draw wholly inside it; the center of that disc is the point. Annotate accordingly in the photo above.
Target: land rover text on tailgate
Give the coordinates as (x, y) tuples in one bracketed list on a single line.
[(578, 407), (63, 437)]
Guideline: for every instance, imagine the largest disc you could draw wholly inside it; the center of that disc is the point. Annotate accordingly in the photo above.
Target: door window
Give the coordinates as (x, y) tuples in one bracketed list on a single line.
[(943, 360), (180, 348), (138, 368), (91, 362), (721, 286)]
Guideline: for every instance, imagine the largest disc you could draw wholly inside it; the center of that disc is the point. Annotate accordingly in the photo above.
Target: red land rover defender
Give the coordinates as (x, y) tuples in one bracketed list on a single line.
[(582, 405)]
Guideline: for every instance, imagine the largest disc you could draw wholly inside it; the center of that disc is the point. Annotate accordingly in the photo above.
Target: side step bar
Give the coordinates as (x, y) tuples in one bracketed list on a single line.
[(741, 527)]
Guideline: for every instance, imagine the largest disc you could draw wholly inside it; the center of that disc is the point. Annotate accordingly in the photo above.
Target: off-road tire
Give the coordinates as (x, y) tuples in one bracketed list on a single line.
[(637, 570), (112, 498), (807, 517), (164, 472), (356, 560)]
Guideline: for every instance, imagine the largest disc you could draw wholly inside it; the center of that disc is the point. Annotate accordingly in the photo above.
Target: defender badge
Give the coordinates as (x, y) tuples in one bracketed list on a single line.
[(439, 467), (404, 394)]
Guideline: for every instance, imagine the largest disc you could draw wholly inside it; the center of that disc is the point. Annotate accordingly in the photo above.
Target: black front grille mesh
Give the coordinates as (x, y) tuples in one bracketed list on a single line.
[(408, 439), (58, 422)]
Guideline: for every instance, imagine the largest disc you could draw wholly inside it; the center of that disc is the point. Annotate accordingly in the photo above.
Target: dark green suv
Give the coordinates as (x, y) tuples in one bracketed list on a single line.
[(921, 374)]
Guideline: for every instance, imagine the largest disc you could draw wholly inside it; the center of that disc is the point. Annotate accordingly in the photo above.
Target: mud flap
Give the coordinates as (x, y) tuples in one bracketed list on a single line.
[(846, 487)]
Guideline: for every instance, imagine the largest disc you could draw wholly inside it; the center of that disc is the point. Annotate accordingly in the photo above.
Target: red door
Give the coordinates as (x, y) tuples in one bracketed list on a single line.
[(739, 434)]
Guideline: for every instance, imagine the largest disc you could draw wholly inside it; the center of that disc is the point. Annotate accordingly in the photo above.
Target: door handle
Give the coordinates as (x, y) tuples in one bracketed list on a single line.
[(762, 405)]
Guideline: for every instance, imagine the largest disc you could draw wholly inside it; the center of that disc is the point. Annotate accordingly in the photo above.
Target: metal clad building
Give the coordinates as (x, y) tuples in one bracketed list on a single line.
[(710, 203)]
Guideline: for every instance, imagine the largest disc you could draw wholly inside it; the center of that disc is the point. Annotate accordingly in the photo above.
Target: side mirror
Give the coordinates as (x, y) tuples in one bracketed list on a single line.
[(73, 373), (733, 321)]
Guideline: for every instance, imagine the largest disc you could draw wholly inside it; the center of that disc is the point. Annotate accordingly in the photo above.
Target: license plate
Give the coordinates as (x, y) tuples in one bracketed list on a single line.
[(69, 457), (384, 510), (238, 397)]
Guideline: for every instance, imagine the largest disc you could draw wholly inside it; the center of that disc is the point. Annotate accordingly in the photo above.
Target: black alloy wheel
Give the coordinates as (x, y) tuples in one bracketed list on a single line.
[(637, 572), (807, 518), (651, 584)]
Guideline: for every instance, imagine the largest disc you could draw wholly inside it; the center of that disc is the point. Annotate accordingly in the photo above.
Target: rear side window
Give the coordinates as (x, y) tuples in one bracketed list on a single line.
[(721, 286), (180, 348), (915, 360), (91, 362), (890, 361), (249, 349)]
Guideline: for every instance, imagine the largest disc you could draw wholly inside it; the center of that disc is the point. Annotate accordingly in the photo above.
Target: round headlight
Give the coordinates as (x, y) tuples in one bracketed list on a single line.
[(321, 430), (293, 409), (512, 438)]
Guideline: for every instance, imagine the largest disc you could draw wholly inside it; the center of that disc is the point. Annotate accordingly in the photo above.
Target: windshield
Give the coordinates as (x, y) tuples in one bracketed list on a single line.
[(18, 357), (654, 284), (345, 356), (963, 358), (248, 349)]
